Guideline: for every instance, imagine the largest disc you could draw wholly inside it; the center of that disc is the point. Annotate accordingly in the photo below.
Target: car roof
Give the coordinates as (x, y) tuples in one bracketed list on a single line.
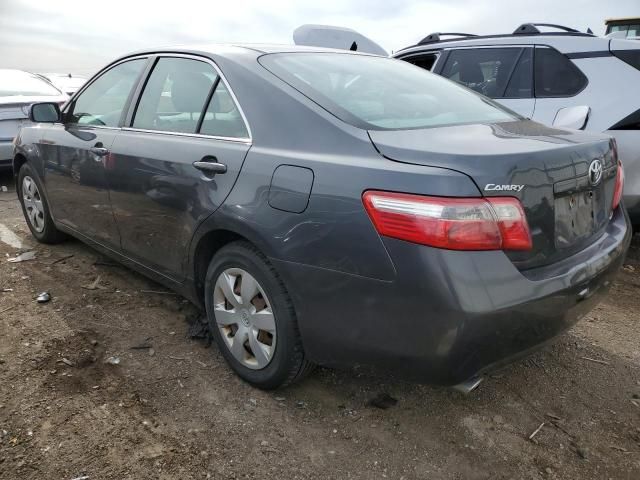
[(15, 70), (566, 42), (284, 48), (64, 75), (238, 49)]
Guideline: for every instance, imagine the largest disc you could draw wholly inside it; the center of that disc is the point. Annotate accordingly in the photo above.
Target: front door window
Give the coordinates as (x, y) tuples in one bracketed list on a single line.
[(103, 101)]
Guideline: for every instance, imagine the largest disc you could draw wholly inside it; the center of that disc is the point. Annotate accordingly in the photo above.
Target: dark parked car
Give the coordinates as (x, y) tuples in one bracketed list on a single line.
[(331, 208)]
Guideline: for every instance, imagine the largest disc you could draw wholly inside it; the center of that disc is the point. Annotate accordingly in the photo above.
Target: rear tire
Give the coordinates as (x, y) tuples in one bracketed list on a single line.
[(252, 318), (35, 207)]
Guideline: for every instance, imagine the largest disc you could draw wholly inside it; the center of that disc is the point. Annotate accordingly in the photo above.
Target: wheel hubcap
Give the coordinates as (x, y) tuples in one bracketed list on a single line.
[(244, 317), (33, 204)]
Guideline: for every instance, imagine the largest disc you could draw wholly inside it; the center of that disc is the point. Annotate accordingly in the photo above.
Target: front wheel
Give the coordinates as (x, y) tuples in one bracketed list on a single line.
[(36, 208), (252, 319)]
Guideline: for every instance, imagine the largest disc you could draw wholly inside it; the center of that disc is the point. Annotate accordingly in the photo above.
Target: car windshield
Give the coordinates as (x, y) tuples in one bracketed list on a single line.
[(14, 83), (378, 93)]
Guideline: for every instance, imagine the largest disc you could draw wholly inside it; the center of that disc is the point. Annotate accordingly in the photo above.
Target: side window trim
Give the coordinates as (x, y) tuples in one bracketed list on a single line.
[(511, 72), (68, 110), (136, 93), (220, 78), (436, 53), (206, 103), (441, 61)]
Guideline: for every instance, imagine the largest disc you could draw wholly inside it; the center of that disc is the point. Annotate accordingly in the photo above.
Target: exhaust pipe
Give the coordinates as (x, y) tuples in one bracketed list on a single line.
[(468, 386)]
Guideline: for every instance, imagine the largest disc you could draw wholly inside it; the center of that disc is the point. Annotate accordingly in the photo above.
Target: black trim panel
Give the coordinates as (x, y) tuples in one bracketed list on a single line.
[(595, 54), (630, 122)]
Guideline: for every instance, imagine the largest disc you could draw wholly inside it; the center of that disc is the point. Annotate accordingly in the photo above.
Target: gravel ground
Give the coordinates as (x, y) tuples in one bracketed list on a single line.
[(171, 409)]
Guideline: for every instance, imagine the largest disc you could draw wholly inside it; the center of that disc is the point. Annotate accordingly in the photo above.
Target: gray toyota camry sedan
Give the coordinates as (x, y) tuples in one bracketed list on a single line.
[(331, 208)]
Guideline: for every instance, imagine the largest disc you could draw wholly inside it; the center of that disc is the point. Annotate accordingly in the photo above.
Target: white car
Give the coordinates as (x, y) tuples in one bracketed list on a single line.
[(18, 90), (66, 82), (563, 78)]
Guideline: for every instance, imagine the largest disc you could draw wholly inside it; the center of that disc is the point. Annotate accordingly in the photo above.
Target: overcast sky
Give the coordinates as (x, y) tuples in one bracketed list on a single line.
[(82, 35)]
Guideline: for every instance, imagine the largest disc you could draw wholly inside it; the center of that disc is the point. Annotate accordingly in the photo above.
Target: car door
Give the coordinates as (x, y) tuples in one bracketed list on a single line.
[(504, 74), (557, 83), (176, 161), (76, 153)]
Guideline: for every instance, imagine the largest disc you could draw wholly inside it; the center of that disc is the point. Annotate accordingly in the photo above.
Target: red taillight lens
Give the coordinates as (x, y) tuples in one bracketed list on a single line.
[(617, 192), (497, 223)]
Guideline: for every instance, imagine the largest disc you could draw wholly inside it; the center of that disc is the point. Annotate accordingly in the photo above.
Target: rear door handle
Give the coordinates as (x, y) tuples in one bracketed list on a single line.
[(99, 151), (210, 167)]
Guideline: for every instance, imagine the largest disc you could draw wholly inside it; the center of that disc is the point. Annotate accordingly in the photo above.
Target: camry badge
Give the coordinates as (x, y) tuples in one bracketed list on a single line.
[(595, 172), (503, 188)]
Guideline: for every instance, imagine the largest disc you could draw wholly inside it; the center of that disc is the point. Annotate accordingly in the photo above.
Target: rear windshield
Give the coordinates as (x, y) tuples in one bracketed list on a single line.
[(378, 93), (14, 83)]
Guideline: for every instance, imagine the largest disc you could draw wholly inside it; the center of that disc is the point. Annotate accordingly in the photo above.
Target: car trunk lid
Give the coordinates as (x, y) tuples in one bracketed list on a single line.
[(12, 115), (14, 111), (547, 169)]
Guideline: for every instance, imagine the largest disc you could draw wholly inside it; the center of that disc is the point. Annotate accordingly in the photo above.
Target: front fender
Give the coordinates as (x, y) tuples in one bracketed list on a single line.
[(27, 148)]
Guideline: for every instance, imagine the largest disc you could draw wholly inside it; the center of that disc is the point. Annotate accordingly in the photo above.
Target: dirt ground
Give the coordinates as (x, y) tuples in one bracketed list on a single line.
[(173, 410)]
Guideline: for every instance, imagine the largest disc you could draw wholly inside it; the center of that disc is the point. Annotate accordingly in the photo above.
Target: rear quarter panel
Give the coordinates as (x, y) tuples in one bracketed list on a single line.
[(334, 232)]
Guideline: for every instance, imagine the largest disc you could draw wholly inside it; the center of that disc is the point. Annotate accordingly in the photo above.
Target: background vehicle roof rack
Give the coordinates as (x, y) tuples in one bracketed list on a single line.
[(435, 37), (532, 28)]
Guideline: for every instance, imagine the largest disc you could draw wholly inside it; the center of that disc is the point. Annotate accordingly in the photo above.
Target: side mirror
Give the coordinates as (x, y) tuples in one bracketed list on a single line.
[(572, 117), (44, 112)]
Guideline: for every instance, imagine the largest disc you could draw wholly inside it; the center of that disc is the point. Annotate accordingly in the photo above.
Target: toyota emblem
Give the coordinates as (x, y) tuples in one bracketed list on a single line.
[(595, 172)]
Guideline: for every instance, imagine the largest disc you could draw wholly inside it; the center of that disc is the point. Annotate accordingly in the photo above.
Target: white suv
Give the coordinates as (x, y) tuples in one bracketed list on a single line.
[(563, 78), (566, 79)]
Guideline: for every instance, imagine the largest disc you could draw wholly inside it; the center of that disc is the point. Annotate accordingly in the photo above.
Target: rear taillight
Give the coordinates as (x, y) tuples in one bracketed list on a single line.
[(496, 223), (617, 191)]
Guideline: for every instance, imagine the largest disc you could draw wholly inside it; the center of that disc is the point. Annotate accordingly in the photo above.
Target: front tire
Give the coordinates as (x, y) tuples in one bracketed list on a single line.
[(35, 207), (252, 318)]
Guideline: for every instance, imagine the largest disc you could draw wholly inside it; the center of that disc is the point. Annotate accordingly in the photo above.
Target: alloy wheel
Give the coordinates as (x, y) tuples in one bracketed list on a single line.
[(33, 203), (244, 317)]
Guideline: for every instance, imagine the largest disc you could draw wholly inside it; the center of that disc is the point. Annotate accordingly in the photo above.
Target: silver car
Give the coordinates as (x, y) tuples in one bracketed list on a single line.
[(18, 90)]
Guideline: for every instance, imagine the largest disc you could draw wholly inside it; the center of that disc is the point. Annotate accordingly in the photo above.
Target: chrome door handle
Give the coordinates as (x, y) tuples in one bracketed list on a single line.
[(211, 167), (99, 151)]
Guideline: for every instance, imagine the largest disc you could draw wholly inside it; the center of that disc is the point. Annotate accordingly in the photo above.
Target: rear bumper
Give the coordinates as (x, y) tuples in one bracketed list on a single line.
[(448, 315), (6, 154)]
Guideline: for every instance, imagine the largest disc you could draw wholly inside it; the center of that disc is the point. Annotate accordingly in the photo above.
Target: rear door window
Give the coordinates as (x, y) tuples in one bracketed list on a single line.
[(485, 70), (556, 75), (521, 82), (175, 95), (222, 117)]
